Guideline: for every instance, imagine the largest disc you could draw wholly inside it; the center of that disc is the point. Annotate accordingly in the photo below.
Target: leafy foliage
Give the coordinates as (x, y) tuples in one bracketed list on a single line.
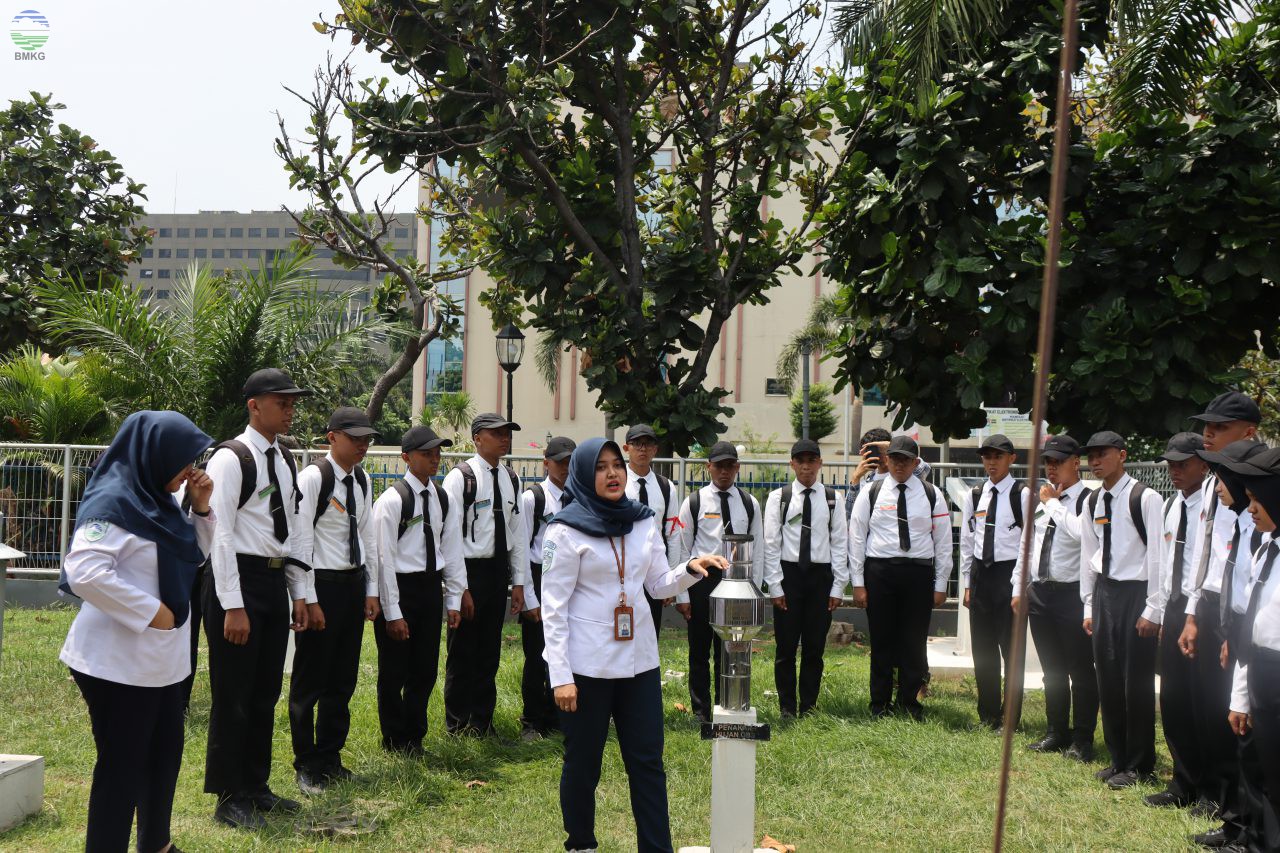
[(822, 412), (49, 400)]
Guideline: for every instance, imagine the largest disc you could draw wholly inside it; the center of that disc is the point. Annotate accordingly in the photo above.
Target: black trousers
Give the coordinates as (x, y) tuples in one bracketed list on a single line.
[(803, 625), (991, 633), (1264, 704), (1210, 704), (899, 607), (1247, 813), (1177, 700), (245, 684), (138, 732), (407, 668), (325, 666), (539, 705), (197, 611), (1126, 666), (703, 644), (655, 610), (474, 650), (635, 707), (1066, 654)]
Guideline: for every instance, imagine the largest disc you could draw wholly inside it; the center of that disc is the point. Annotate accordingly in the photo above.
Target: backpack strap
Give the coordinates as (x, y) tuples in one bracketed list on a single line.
[(539, 509), (975, 495), (695, 509), (783, 502), (664, 486), (749, 506), (1135, 509), (292, 464), (872, 495), (326, 487), (515, 489), (830, 494), (1080, 499), (468, 495), (248, 468), (1015, 501), (407, 504)]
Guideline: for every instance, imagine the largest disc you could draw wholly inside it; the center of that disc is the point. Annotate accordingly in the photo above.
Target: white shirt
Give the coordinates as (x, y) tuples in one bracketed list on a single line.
[(580, 592), (1008, 535), (478, 541), (1266, 627), (669, 515), (1224, 525), (1170, 532), (828, 536), (1064, 556), (1130, 559), (710, 539), (399, 555), (117, 577), (553, 495), (249, 529), (324, 545), (873, 531)]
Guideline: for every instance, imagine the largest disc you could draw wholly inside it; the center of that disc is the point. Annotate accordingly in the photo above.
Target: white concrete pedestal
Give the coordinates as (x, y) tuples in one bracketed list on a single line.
[(733, 789), (21, 788)]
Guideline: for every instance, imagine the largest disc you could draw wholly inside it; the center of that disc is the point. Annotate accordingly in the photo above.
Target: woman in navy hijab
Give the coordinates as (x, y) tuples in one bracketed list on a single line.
[(600, 553), (133, 559)]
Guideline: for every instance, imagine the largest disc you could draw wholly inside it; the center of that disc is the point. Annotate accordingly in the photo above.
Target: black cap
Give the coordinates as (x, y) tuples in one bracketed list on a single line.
[(1265, 463), (1183, 446), (354, 422), (1060, 447), (559, 449), (722, 450), (1106, 438), (271, 380), (904, 445), (422, 438), (640, 431), (491, 420), (805, 445), (996, 442), (1230, 406), (1235, 452)]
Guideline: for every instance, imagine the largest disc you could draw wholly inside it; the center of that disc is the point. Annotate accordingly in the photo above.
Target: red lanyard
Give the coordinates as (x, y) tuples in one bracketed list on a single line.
[(622, 571)]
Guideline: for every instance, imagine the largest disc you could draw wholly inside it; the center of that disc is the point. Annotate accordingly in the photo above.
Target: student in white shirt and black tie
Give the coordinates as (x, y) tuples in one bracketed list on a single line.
[(805, 572), (335, 537), (1120, 590), (705, 516), (899, 562), (990, 539), (662, 496)]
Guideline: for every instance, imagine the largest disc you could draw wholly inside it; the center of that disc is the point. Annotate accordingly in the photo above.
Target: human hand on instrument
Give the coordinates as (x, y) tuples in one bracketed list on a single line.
[(453, 619), (199, 490), (1187, 639), (860, 597), (517, 600), (315, 618), (300, 617), (163, 620), (566, 696), (1147, 628), (1240, 723), (398, 629), (372, 607), (1088, 626), (468, 606), (700, 565), (685, 610), (235, 626)]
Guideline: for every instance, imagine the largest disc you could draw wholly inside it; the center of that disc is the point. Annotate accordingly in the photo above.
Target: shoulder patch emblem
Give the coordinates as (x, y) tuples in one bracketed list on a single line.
[(94, 530)]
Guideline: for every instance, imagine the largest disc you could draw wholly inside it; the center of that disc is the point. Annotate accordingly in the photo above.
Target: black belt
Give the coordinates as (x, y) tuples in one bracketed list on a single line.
[(1105, 581), (341, 574), (903, 561), (256, 561), (1047, 582)]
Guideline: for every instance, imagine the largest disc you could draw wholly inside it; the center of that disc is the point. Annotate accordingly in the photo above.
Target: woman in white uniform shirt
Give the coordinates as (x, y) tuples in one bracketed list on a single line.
[(133, 559), (599, 556)]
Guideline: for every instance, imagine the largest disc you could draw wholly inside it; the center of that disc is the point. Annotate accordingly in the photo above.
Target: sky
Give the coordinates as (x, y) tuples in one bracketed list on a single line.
[(184, 94)]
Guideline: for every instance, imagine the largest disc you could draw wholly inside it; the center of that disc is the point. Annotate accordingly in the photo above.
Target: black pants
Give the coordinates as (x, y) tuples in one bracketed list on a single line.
[(655, 610), (245, 684), (803, 625), (703, 644), (325, 666), (138, 733), (991, 633), (1248, 814), (474, 650), (539, 706), (1264, 704), (899, 607), (635, 706), (407, 668), (1177, 700), (1126, 666), (1066, 654), (1210, 704), (197, 610)]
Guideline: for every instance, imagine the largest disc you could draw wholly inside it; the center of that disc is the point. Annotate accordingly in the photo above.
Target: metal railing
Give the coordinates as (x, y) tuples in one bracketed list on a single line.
[(39, 499)]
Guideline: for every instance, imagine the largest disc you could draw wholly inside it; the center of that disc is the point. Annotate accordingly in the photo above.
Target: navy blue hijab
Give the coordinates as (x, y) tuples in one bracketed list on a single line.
[(589, 512), (128, 489)]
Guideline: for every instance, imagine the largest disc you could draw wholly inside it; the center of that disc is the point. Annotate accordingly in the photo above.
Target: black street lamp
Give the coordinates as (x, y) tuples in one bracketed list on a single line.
[(805, 348), (510, 346)]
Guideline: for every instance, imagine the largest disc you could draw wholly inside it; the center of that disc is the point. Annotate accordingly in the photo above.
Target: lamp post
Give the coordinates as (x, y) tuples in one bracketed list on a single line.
[(805, 349), (510, 346)]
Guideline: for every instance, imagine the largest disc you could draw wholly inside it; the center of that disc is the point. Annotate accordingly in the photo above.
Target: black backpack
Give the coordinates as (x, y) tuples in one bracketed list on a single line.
[(469, 493), (827, 492), (930, 490), (407, 504), (695, 508), (1015, 503), (249, 472), (1135, 508), (664, 486), (327, 481)]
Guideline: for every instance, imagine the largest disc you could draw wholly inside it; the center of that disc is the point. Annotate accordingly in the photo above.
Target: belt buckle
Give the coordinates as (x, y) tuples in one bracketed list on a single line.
[(275, 562)]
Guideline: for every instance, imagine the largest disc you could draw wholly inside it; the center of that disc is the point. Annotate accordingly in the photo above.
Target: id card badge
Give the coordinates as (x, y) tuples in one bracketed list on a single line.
[(622, 623)]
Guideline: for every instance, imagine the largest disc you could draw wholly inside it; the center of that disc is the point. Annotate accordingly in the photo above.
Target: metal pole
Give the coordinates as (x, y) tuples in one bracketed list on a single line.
[(510, 373), (64, 535), (848, 426), (804, 418)]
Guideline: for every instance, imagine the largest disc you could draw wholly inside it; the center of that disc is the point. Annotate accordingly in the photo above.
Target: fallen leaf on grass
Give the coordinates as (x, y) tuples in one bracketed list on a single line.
[(681, 707), (476, 783), (771, 843)]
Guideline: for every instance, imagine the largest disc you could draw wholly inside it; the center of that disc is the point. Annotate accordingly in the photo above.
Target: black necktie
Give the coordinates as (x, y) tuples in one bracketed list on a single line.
[(1245, 652), (989, 531), (1224, 601), (904, 530), (806, 517), (1206, 535), (1106, 536), (1046, 550), (725, 518), (353, 534), (1179, 551), (278, 519), (427, 533), (644, 491), (499, 520)]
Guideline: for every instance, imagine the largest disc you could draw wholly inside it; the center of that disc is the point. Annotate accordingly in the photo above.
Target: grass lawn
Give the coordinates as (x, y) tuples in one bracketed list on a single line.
[(836, 781)]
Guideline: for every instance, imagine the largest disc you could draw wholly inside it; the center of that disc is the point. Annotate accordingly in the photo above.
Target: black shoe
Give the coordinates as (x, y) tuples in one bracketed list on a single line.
[(916, 714), (240, 813), (879, 712), (529, 735), (1128, 779), (1105, 774), (266, 801), (1079, 752), (1165, 799), (311, 783), (1203, 808), (1049, 743), (788, 714), (339, 774), (1214, 839)]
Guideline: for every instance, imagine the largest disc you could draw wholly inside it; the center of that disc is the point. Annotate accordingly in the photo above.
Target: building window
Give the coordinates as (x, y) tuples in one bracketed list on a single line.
[(146, 273), (163, 274), (255, 232), (273, 232), (236, 233), (202, 233), (162, 294), (255, 253), (774, 388), (202, 253), (237, 253), (218, 253), (147, 253), (219, 233), (184, 232), (166, 232), (402, 233), (182, 253), (164, 253)]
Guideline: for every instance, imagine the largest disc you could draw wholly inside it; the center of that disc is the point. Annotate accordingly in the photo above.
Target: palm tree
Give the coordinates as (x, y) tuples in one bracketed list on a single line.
[(49, 400)]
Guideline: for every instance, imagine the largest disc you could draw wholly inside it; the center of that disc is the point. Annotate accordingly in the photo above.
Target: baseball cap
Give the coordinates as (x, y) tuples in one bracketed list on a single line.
[(491, 420), (904, 445), (1182, 446), (1230, 406), (559, 449), (422, 438), (722, 450), (640, 431), (1264, 463), (805, 445), (271, 380), (1060, 447), (1106, 438), (354, 422), (1235, 452), (997, 442)]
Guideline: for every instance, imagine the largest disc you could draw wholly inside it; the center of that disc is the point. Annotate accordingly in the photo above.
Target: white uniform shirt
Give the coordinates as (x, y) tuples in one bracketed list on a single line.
[(1130, 559), (324, 545), (1266, 627), (1170, 535), (249, 529), (710, 539), (580, 592), (399, 555), (1064, 559), (1224, 525), (669, 514), (117, 576), (478, 541), (873, 531), (1008, 535), (828, 536), (554, 495)]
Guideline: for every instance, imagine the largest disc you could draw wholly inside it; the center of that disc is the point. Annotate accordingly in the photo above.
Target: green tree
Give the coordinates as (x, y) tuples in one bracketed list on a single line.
[(50, 400), (822, 412), (66, 208), (453, 410)]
